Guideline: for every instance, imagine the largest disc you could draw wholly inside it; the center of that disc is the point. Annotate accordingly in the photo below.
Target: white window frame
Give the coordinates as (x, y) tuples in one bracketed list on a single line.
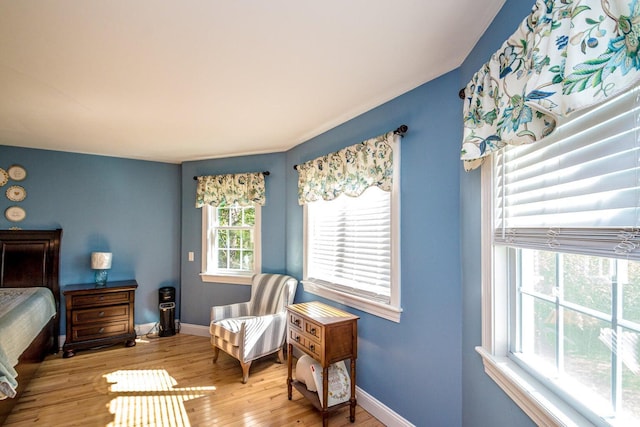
[(540, 403), (240, 278), (393, 309)]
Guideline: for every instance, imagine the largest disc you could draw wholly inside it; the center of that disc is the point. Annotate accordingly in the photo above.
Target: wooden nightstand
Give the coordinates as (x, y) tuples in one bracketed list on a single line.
[(99, 315), (328, 335)]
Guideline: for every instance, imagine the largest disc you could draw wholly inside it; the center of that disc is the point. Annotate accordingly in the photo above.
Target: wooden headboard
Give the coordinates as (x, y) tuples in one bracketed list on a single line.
[(31, 258)]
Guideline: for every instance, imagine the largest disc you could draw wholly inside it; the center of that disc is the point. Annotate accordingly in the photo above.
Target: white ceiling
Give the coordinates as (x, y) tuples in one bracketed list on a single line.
[(173, 81)]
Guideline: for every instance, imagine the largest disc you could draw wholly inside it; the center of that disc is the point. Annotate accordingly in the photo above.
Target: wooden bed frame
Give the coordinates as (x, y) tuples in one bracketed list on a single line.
[(31, 258)]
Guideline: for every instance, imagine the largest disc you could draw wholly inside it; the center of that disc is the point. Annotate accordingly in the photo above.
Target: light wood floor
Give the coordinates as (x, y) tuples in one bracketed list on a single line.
[(168, 381)]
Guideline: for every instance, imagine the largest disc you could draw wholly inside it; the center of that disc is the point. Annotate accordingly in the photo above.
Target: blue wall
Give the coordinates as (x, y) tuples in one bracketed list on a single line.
[(127, 207), (413, 366), (484, 404), (425, 367), (198, 297)]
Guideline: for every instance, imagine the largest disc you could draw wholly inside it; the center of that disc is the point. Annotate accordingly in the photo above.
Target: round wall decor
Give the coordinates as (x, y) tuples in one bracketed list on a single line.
[(15, 213), (16, 193), (17, 173), (4, 177)]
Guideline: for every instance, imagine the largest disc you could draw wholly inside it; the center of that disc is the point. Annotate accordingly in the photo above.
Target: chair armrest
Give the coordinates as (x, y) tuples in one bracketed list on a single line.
[(231, 310), (264, 334)]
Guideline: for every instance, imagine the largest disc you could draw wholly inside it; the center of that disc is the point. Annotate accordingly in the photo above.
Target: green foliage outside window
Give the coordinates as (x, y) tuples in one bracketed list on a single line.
[(234, 238), (567, 303)]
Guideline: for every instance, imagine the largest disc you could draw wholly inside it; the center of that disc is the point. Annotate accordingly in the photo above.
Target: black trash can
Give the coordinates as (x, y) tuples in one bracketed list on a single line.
[(167, 306)]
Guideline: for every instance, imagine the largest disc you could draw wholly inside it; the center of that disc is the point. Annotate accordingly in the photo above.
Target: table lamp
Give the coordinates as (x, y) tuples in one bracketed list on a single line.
[(101, 263)]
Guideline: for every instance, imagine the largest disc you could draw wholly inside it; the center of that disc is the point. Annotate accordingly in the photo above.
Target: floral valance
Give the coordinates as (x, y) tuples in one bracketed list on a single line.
[(566, 56), (242, 189), (349, 171)]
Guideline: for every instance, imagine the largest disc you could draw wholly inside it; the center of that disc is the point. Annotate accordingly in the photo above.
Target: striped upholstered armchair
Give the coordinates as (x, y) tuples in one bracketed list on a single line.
[(256, 328)]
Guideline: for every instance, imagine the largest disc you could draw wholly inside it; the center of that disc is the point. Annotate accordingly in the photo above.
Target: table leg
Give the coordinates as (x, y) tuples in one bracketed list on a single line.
[(289, 368), (352, 407), (325, 396)]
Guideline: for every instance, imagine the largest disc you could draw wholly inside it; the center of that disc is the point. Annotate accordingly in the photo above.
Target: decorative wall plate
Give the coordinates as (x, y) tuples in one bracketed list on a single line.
[(17, 173), (15, 213), (4, 177), (16, 193)]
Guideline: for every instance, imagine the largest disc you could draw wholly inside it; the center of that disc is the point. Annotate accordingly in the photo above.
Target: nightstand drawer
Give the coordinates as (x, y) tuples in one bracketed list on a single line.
[(104, 314), (99, 299), (100, 331)]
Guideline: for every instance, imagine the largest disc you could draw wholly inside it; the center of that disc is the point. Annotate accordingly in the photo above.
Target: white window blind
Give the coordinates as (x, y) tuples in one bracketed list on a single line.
[(349, 244), (577, 190)]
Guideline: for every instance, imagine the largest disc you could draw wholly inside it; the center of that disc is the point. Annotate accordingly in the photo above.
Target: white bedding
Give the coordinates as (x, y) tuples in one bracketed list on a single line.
[(23, 314)]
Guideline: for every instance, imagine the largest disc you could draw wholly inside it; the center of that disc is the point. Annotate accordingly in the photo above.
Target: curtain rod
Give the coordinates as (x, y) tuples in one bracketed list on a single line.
[(402, 129), (265, 173)]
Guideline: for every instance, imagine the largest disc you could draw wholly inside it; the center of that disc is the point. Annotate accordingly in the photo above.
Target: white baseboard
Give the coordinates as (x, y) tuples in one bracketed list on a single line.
[(198, 330), (146, 328), (376, 408)]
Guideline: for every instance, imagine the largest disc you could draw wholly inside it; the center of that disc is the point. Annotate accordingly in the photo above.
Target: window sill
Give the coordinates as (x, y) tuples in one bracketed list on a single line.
[(227, 279), (377, 309), (542, 405)]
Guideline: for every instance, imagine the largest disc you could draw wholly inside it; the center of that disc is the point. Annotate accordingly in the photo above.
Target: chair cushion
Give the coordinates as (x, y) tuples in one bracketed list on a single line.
[(228, 329)]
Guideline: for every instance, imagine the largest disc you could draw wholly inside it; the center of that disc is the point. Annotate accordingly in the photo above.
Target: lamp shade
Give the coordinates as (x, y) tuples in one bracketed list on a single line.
[(101, 260)]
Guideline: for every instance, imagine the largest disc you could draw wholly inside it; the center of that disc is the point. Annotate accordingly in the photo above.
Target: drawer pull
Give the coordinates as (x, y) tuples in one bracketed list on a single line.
[(313, 331), (101, 314), (101, 297), (297, 322), (312, 347), (297, 338), (101, 330)]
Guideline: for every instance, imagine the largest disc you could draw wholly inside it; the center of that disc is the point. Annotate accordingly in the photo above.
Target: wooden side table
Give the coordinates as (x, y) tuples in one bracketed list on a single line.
[(328, 335), (99, 315)]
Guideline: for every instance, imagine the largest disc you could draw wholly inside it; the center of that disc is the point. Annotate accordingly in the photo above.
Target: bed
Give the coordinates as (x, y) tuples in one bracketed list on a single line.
[(29, 307)]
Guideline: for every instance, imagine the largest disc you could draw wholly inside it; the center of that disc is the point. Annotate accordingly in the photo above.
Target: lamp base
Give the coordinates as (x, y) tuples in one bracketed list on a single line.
[(101, 277)]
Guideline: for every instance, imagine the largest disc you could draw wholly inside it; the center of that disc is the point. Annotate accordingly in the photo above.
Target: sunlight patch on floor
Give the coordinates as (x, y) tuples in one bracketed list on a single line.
[(147, 397)]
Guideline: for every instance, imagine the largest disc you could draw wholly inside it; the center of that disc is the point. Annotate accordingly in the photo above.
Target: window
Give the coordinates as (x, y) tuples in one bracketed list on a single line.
[(350, 243), (561, 272), (579, 326), (352, 253), (230, 243)]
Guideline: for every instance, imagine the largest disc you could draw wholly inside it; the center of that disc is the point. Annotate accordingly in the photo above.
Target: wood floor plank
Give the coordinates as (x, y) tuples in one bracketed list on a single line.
[(170, 381)]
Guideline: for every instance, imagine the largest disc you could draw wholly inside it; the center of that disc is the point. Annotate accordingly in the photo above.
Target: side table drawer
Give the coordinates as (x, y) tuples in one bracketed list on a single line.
[(91, 332), (102, 314), (313, 330), (314, 348), (303, 343), (296, 321), (296, 338), (99, 299)]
